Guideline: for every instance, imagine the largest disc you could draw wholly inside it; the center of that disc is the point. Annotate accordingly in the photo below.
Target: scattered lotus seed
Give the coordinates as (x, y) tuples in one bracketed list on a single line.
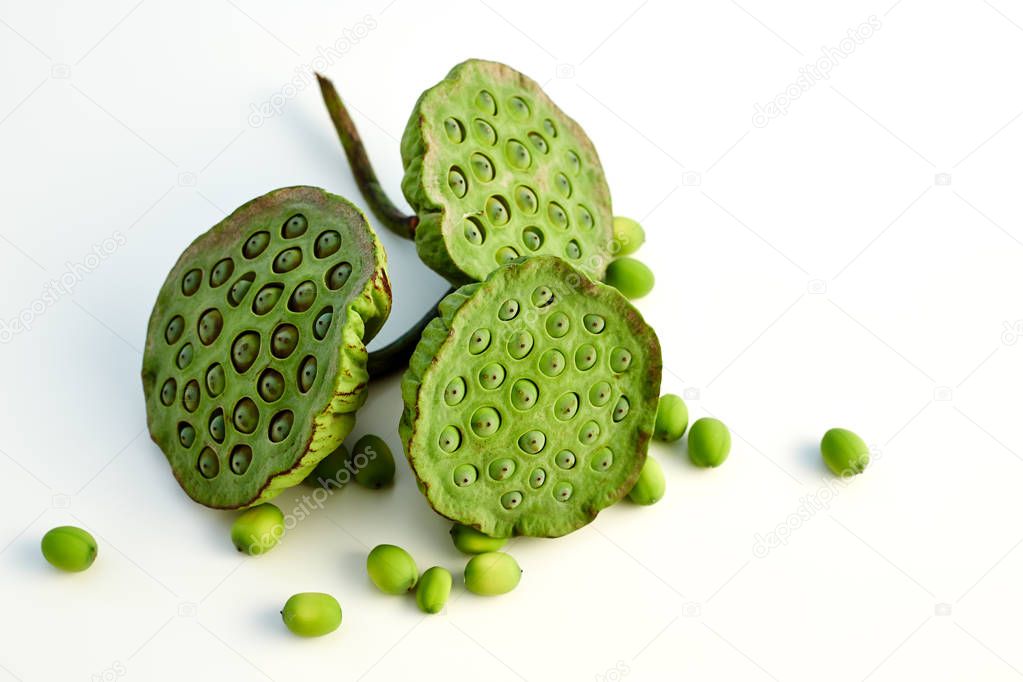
[(589, 433), (473, 231), (378, 470), (585, 357), (190, 284), (311, 614), (518, 108), (210, 325), (433, 590), (548, 126), (526, 200), (650, 485), (573, 251), (454, 392), (524, 394), (520, 345), (334, 469), (457, 182), (552, 362), (240, 459), (562, 183), (563, 491), (338, 275), (307, 373), (500, 469), (565, 459), (557, 325), (244, 351), (322, 323), (174, 329), (209, 465), (217, 428), (464, 474), (302, 297), (517, 155), (532, 441), (186, 434), (497, 211), (240, 288), (484, 132), (844, 452), (566, 407), (532, 238), (190, 396), (557, 215), (602, 459), (450, 438), (69, 548), (621, 410), (629, 276), (392, 569), (471, 541), (267, 298), (537, 478), (327, 244), (709, 442), (511, 500), (573, 162), (505, 254), (485, 422), (485, 102), (509, 309), (256, 244), (271, 385), (215, 380), (246, 415), (221, 272), (584, 216), (672, 418), (169, 391), (540, 144), (258, 530), (492, 375), (295, 226), (283, 342), (455, 130), (600, 393), (542, 296), (628, 236), (620, 359), (185, 356), (479, 341), (492, 573), (482, 167), (593, 323)]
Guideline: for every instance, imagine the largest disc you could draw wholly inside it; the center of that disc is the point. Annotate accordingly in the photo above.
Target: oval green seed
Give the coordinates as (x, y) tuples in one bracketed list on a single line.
[(311, 614), (844, 452), (650, 485), (471, 541), (672, 418), (434, 588), (709, 442), (628, 235), (372, 461), (332, 470), (258, 530), (69, 548), (492, 573), (392, 569), (630, 276)]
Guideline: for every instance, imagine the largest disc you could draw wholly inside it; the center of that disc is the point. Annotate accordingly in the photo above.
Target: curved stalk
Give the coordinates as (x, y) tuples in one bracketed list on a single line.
[(395, 355)]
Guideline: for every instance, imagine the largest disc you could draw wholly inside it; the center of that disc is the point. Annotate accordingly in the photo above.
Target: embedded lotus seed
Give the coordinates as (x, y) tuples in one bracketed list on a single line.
[(256, 244), (505, 254), (208, 464), (471, 541), (485, 102), (210, 325), (557, 215), (270, 385), (542, 296), (565, 459), (479, 341), (492, 573), (573, 162), (620, 359), (221, 272), (650, 485), (240, 459), (589, 433), (484, 132), (600, 393), (322, 323), (518, 108), (548, 126), (497, 211), (517, 155), (511, 500), (190, 284), (174, 329), (246, 415), (69, 548), (602, 459), (508, 310), (457, 182), (295, 226), (454, 129), (526, 200), (215, 380), (217, 428), (327, 244), (537, 478), (287, 260), (628, 235), (258, 530), (492, 375), (433, 590), (392, 569), (168, 391), (709, 442), (532, 238), (283, 341), (302, 297), (593, 323), (563, 491), (672, 418), (844, 452), (307, 373), (244, 351), (563, 185), (473, 231), (557, 325), (454, 392), (240, 288), (621, 410), (450, 438), (190, 396), (532, 441), (524, 394), (629, 276), (573, 250), (566, 407), (500, 469), (186, 435), (485, 422), (311, 614), (552, 362), (584, 216), (464, 474), (482, 167), (267, 298), (585, 357), (338, 275), (520, 344), (539, 143), (185, 356)]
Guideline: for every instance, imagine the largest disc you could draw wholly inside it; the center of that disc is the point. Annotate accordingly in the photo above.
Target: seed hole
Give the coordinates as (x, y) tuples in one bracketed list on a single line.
[(524, 394), (450, 438), (186, 434), (246, 415), (589, 433), (322, 324), (174, 329), (566, 407), (532, 238), (217, 428), (327, 244), (565, 459), (338, 275), (215, 380), (287, 260), (542, 296), (563, 185), (584, 216), (240, 288), (482, 167), (454, 129), (501, 469), (479, 341), (572, 250), (508, 310), (574, 164), (307, 373), (280, 425), (484, 132), (492, 375), (210, 325), (602, 459), (518, 108), (284, 341), (594, 323), (552, 362), (256, 244), (505, 255), (511, 500), (621, 410), (473, 231), (517, 155), (621, 358), (169, 391), (526, 200), (190, 283), (457, 182), (221, 272), (454, 392), (585, 357), (532, 442), (244, 351), (563, 491), (240, 459), (537, 478), (185, 356), (295, 226), (267, 298), (557, 215), (548, 127), (600, 393), (464, 474), (520, 344), (302, 297), (190, 396), (485, 422), (208, 464), (557, 325), (497, 210), (270, 385), (540, 144), (486, 103)]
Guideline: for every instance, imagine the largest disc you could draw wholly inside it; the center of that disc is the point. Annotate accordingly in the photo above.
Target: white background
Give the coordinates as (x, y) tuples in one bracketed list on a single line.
[(854, 262)]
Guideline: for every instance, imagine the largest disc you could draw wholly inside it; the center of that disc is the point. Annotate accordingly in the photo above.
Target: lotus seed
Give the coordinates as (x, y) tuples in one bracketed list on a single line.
[(338, 275), (537, 478), (492, 573), (244, 351), (566, 407), (557, 325), (295, 226), (191, 283), (283, 342), (492, 375), (450, 438), (524, 394), (518, 107), (509, 310), (517, 155), (185, 356), (628, 235), (256, 244), (557, 215), (327, 244), (709, 442), (565, 459), (465, 474), (455, 130), (479, 341), (511, 500), (302, 297), (186, 435), (505, 254), (474, 232), (379, 468), (573, 250), (630, 276), (526, 200), (500, 469), (585, 357), (484, 131), (210, 325), (174, 329), (532, 441), (650, 486), (246, 415), (482, 167), (69, 548), (600, 393), (454, 392), (267, 298), (332, 469), (621, 409), (594, 323), (217, 428), (496, 209), (672, 418), (485, 103), (485, 422), (280, 426), (602, 459), (258, 530), (322, 324), (457, 182), (532, 238), (552, 362), (240, 288), (520, 344), (221, 272), (307, 374), (208, 464), (392, 569), (433, 590), (844, 452), (190, 396), (471, 541), (540, 144), (311, 614), (240, 459)]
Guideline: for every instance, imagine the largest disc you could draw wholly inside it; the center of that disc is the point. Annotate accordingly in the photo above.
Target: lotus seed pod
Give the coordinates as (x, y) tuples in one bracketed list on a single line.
[(628, 236), (433, 590), (629, 276), (69, 548), (311, 614), (332, 471), (709, 442), (372, 462), (392, 569), (258, 530), (672, 418), (844, 452), (508, 435), (492, 573), (471, 541), (649, 489), (255, 359)]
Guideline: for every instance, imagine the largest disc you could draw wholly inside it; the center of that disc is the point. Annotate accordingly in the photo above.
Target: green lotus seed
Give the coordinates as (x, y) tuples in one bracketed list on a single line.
[(589, 433), (485, 102), (190, 284), (168, 391), (256, 244), (287, 260), (573, 250), (338, 275), (240, 459), (594, 323), (505, 254), (190, 396), (548, 126), (450, 438), (69, 548), (557, 215), (563, 491), (311, 614), (186, 435), (844, 452), (327, 244), (332, 469), (244, 351), (709, 442), (185, 356), (471, 541), (215, 379), (271, 385), (295, 226), (524, 394), (584, 217), (552, 362), (208, 463), (392, 569), (532, 441), (649, 487), (454, 129), (557, 325), (485, 422), (563, 184), (457, 182), (629, 276), (672, 418), (280, 426), (302, 297), (479, 341), (600, 393), (464, 474), (540, 144), (483, 131), (378, 468), (492, 573), (492, 375), (217, 428), (240, 288), (573, 162), (526, 200), (628, 235), (518, 108), (433, 590), (454, 392), (565, 459), (602, 459), (511, 500), (496, 209), (620, 359), (221, 272), (566, 407), (307, 374), (210, 325), (283, 342), (532, 238), (520, 344), (517, 155), (537, 478), (621, 410), (322, 324), (174, 329), (258, 530), (246, 415), (482, 167)]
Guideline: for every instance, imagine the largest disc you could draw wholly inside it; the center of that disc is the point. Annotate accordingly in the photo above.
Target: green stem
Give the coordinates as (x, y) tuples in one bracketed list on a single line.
[(395, 355), (383, 208)]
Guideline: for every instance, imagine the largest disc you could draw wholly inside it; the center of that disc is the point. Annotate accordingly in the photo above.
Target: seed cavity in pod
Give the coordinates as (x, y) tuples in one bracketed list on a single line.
[(532, 238), (240, 288), (246, 415), (505, 254), (552, 362), (517, 155), (168, 391), (502, 468), (295, 226), (217, 427), (518, 108), (511, 500), (280, 426), (302, 297), (542, 296), (186, 434), (190, 283), (584, 216), (190, 396), (174, 329), (520, 344), (287, 260), (454, 392), (240, 459), (621, 410), (524, 394), (256, 244), (526, 200), (600, 393), (485, 422), (574, 164), (267, 298), (563, 185), (457, 182), (537, 478), (620, 359), (185, 356), (283, 341), (589, 433), (473, 231), (508, 310), (486, 103), (602, 459), (594, 323), (566, 407), (210, 325), (482, 167), (221, 272), (338, 275), (557, 215), (492, 375), (557, 325), (215, 380), (450, 438), (585, 357), (454, 129), (464, 474), (307, 373), (327, 244), (244, 351), (548, 127), (532, 442), (538, 142), (479, 341), (565, 459), (270, 385), (484, 132), (322, 324), (572, 250), (497, 210), (563, 491), (208, 464)]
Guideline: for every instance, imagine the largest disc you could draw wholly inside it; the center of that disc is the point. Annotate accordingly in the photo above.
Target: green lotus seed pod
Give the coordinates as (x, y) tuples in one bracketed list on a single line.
[(69, 548), (333, 470), (629, 276), (372, 462), (433, 590), (492, 573), (258, 530), (471, 541), (650, 486), (492, 458), (311, 614), (628, 235), (672, 418), (844, 452), (255, 358), (709, 442), (392, 569)]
